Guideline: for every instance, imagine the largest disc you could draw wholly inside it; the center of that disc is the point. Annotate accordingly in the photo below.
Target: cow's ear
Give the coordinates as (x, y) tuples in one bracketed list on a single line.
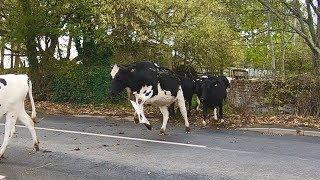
[(114, 71)]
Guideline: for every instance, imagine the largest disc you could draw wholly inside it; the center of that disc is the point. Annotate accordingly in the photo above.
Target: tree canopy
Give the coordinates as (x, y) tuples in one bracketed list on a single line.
[(210, 35)]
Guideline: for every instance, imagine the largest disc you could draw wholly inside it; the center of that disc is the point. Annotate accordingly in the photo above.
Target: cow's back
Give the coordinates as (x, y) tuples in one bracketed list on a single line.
[(146, 73), (143, 73), (16, 88), (169, 82)]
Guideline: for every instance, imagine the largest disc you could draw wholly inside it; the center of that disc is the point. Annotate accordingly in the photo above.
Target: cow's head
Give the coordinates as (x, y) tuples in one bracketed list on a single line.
[(208, 87), (198, 85), (225, 80), (120, 79)]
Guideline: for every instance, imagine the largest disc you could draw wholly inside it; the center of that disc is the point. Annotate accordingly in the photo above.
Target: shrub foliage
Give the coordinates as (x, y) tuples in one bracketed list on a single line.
[(83, 85)]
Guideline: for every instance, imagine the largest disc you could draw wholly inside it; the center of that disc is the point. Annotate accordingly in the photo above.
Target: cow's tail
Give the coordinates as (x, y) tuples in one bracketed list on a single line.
[(33, 113)]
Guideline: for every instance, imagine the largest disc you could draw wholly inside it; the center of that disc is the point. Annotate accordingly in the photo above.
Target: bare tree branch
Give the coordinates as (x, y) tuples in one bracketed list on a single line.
[(310, 22), (302, 31), (314, 7)]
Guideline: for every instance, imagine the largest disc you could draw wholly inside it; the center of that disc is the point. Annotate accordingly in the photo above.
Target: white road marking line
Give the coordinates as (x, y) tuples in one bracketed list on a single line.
[(231, 150), (2, 177), (116, 137)]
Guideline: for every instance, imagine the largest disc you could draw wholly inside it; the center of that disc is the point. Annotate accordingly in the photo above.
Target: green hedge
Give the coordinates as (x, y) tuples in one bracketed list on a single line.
[(300, 92), (83, 85)]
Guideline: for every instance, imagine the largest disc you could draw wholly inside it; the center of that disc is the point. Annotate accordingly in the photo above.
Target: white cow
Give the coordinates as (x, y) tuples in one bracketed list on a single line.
[(13, 92)]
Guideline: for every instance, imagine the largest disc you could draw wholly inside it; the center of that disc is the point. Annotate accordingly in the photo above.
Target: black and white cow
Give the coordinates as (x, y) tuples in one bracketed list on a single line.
[(150, 84), (213, 93), (188, 88), (13, 92)]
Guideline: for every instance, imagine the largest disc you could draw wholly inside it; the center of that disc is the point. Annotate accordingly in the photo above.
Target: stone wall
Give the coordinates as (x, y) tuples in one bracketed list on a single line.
[(247, 94)]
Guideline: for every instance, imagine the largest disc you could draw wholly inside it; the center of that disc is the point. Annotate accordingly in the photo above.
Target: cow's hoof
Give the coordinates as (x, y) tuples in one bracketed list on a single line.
[(162, 132), (35, 120), (149, 127), (188, 130), (136, 120), (36, 147), (204, 123)]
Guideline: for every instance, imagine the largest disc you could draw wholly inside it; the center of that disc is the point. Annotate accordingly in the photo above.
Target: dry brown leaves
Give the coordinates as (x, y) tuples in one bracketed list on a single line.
[(231, 120), (70, 109)]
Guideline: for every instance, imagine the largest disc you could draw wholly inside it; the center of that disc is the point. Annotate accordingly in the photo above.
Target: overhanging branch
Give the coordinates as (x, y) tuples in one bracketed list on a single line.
[(302, 32)]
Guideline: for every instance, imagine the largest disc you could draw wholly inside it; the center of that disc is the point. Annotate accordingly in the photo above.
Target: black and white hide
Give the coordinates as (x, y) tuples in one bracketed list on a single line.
[(13, 92), (153, 85)]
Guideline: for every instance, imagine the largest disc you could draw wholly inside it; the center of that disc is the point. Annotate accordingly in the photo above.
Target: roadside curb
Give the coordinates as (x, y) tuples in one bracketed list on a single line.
[(89, 116), (296, 132)]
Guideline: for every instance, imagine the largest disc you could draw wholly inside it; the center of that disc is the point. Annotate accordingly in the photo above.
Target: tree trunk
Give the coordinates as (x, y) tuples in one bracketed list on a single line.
[(78, 47), (69, 48), (59, 52), (31, 46), (273, 62), (283, 52), (2, 58), (17, 62), (51, 50), (12, 56), (315, 60)]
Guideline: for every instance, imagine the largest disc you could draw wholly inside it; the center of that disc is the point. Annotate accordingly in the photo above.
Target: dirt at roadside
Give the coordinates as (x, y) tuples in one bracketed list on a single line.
[(231, 120)]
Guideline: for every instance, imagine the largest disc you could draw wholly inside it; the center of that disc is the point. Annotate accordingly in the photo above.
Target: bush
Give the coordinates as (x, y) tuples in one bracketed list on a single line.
[(83, 85), (300, 93)]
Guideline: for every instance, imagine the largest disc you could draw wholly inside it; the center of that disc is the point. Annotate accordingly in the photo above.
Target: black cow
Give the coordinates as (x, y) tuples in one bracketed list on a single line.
[(213, 94), (187, 75), (150, 84), (198, 88), (188, 87)]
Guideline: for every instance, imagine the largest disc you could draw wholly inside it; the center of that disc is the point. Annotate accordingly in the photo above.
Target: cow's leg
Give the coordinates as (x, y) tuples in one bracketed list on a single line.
[(144, 119), (182, 108), (204, 113), (129, 97), (27, 121), (220, 114), (129, 93), (13, 130), (165, 114), (215, 113), (11, 119), (135, 118), (190, 106), (198, 104)]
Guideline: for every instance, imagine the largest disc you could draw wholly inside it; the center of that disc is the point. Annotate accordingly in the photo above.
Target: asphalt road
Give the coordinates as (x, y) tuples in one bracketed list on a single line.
[(94, 148)]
